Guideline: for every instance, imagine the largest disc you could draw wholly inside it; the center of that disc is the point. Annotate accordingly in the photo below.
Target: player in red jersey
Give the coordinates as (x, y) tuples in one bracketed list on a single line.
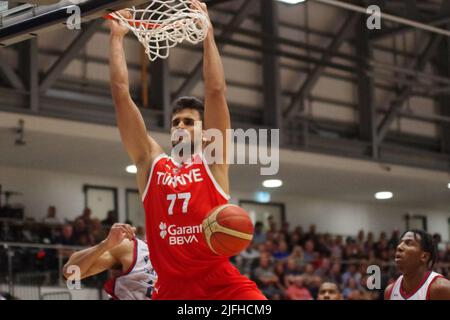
[(414, 258), (178, 194)]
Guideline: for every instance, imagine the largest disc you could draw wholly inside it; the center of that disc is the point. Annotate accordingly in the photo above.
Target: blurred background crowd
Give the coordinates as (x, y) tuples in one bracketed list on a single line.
[(286, 262)]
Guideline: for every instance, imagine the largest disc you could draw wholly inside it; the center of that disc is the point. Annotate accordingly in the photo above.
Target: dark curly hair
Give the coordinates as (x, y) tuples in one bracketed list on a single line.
[(188, 103), (427, 244)]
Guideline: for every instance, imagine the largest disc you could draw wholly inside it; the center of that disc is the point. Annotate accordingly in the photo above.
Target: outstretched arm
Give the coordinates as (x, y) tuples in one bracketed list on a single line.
[(141, 148), (217, 115), (99, 258)]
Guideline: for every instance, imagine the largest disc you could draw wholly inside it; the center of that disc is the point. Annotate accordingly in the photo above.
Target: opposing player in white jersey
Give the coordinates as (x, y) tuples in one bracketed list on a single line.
[(120, 250), (415, 257)]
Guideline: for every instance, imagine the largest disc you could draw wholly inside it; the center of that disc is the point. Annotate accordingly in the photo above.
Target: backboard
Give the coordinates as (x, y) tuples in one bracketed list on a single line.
[(22, 21)]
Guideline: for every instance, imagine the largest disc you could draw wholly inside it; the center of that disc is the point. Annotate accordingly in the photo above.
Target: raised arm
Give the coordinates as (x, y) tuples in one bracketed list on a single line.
[(141, 148), (99, 258), (217, 115)]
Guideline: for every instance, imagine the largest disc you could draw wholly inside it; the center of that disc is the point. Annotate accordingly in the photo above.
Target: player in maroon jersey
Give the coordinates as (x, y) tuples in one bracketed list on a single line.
[(178, 193)]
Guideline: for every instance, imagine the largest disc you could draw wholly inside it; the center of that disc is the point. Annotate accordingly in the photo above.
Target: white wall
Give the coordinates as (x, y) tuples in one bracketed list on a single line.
[(65, 191), (44, 188)]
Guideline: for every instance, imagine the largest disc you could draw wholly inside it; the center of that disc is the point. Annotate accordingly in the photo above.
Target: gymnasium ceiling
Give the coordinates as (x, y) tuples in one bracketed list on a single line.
[(332, 119)]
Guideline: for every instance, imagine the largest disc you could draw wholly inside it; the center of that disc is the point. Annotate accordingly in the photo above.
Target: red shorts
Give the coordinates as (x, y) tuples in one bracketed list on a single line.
[(224, 283)]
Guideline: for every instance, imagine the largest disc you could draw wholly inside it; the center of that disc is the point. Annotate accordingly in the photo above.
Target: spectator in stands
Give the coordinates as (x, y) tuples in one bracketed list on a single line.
[(360, 238), (329, 291), (395, 237), (369, 244), (311, 235), (349, 290), (335, 274), (447, 253), (297, 256), (294, 241), (323, 269), (140, 232), (308, 273), (321, 246), (351, 250), (328, 241), (48, 231), (336, 248), (266, 279), (437, 239), (86, 217), (382, 249), (270, 236), (67, 237), (279, 271), (81, 233), (97, 232), (296, 289), (313, 286), (269, 246), (259, 235), (301, 237), (51, 217), (291, 269), (355, 294), (285, 232), (352, 272), (272, 224), (281, 252), (308, 254), (362, 266), (111, 218), (247, 258)]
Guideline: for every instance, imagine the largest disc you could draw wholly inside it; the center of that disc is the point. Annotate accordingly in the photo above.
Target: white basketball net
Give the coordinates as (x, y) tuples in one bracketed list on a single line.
[(165, 23)]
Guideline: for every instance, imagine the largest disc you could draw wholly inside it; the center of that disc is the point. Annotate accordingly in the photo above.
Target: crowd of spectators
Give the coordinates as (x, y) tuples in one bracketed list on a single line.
[(285, 263), (293, 264), (82, 231)]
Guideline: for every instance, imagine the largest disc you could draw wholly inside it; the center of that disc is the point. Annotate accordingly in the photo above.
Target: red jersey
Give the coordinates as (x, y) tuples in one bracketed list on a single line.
[(176, 200)]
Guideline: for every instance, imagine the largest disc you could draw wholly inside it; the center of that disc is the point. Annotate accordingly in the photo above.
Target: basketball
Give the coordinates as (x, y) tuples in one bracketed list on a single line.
[(228, 230)]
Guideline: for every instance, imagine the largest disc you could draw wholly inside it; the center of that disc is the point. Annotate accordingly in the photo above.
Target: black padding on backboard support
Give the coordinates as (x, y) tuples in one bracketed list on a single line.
[(24, 26)]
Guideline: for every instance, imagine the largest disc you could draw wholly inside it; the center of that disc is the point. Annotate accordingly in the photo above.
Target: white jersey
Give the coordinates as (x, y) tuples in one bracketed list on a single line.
[(421, 293), (138, 281)]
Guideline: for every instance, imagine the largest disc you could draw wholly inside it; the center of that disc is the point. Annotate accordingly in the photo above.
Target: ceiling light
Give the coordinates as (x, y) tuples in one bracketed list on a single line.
[(448, 186), (131, 169), (384, 195), (272, 183)]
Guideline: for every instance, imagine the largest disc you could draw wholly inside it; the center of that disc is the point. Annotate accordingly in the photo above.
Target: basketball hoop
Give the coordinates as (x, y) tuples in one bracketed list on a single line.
[(165, 23)]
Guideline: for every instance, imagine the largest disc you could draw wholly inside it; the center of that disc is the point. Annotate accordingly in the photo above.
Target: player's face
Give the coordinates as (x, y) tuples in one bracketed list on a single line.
[(409, 253), (184, 120), (328, 291)]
